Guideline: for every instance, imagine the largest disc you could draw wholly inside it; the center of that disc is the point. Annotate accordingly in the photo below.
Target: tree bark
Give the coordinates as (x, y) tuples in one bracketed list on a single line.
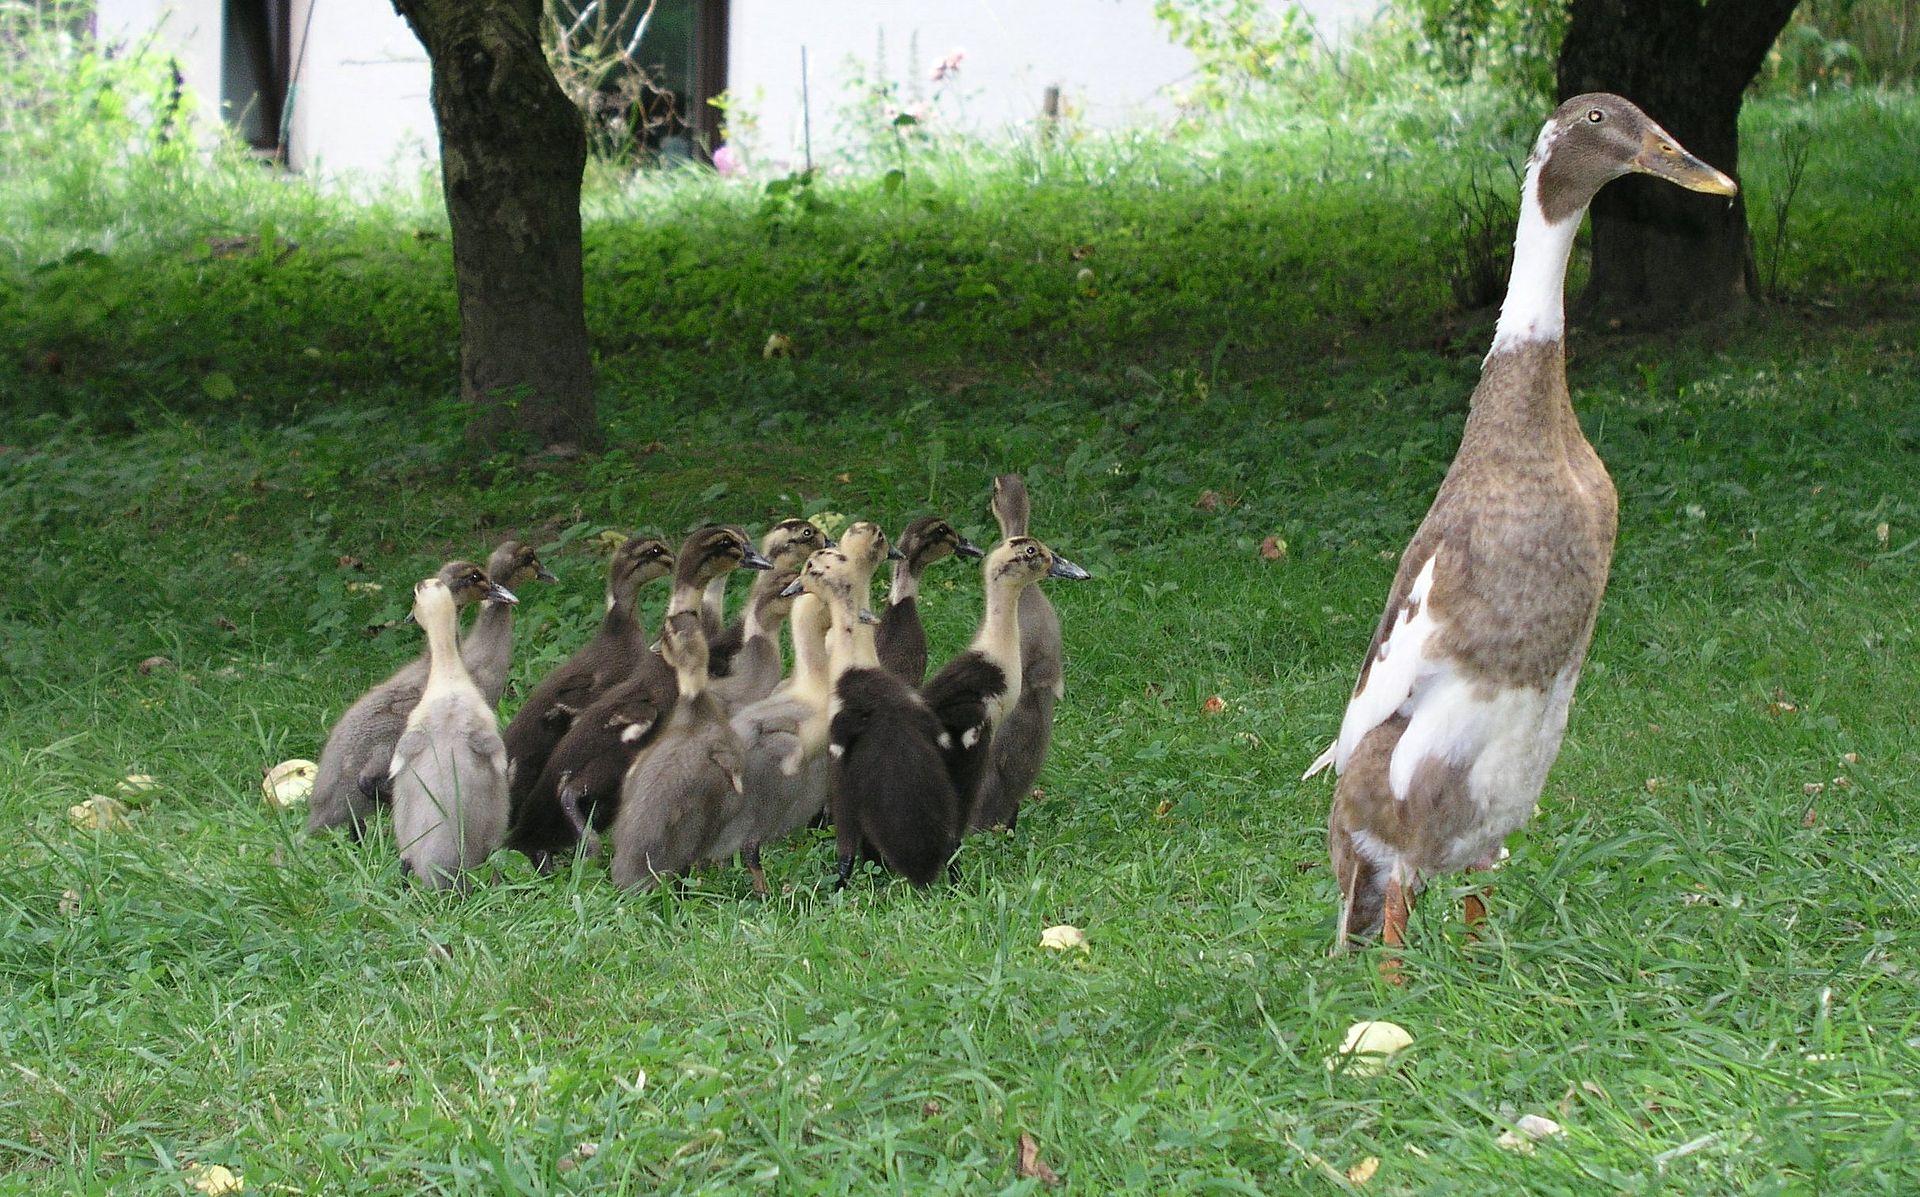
[(1663, 255), (512, 150)]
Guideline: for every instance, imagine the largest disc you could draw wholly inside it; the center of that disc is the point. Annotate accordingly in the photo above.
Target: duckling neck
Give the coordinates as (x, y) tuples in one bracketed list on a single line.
[(906, 582), (1535, 307), (693, 684), (713, 605), (999, 637), (810, 667), (850, 644), (445, 670)]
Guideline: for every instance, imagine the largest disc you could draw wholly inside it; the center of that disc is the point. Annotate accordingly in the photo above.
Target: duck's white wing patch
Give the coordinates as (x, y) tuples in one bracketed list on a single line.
[(1397, 667)]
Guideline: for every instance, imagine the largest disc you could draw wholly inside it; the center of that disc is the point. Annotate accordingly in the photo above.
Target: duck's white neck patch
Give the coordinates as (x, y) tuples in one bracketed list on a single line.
[(1535, 307)]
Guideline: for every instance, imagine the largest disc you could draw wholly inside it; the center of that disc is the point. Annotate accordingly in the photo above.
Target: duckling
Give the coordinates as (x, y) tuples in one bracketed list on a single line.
[(787, 545), (580, 782), (891, 793), (449, 771), (782, 737), (1462, 699), (353, 766), (1021, 742), (687, 786), (487, 648), (615, 650), (902, 638), (976, 691)]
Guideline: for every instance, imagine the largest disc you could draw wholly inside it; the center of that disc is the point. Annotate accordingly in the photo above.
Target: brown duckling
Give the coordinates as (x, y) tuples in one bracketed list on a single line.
[(901, 637), (615, 650), (487, 648), (975, 692), (787, 545), (686, 787), (1021, 742), (579, 785)]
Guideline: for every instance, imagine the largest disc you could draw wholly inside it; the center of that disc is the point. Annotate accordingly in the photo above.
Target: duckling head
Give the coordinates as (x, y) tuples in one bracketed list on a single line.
[(931, 538), (789, 543), (467, 583), (515, 564), (1011, 506), (865, 545), (714, 550), (1022, 561), (638, 560)]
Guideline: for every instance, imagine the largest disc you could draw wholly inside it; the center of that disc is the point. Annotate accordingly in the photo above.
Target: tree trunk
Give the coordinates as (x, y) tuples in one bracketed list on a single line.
[(1663, 255), (512, 149)]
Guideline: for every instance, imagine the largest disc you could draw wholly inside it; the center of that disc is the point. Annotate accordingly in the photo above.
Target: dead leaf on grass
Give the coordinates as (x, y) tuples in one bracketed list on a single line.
[(1363, 1171), (1032, 1165)]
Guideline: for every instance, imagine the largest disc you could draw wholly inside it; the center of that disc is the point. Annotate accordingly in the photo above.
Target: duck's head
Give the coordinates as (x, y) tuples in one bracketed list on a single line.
[(1595, 138), (638, 560), (1022, 561), (1010, 505), (467, 583), (683, 643), (714, 550), (789, 543), (515, 564), (931, 538)]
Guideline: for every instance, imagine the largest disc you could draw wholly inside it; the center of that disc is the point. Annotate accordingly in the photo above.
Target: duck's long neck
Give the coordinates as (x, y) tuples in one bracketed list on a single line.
[(999, 636), (687, 594), (693, 684), (1534, 311), (810, 668), (487, 649), (713, 606)]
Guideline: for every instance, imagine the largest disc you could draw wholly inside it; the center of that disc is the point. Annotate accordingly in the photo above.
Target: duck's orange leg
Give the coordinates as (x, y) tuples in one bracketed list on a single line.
[(1476, 904), (1393, 928)]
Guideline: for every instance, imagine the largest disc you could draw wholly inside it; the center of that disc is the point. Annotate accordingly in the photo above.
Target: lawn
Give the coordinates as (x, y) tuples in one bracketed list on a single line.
[(1703, 958)]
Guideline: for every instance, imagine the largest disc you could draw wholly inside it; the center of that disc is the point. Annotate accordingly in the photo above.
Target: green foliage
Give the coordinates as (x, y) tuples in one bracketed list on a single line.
[(1513, 44), (1240, 47), (1843, 43)]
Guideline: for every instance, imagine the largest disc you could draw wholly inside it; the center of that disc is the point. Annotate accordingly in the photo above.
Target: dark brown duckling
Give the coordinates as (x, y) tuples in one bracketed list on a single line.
[(901, 638), (787, 545), (579, 785), (353, 765), (892, 797), (616, 648)]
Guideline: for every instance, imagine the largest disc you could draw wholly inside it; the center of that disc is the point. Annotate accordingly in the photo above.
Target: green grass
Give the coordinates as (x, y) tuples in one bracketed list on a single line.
[(1712, 991)]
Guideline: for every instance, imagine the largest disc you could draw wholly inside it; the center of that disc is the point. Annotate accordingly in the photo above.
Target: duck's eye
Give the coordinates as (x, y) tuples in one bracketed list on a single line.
[(1596, 116)]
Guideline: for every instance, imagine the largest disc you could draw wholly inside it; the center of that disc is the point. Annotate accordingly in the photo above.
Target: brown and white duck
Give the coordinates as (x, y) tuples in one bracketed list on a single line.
[(614, 651), (1021, 742), (1462, 701), (901, 637)]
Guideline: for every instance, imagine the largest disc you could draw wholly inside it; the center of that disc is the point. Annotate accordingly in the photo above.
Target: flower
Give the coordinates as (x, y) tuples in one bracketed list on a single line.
[(726, 163), (947, 67)]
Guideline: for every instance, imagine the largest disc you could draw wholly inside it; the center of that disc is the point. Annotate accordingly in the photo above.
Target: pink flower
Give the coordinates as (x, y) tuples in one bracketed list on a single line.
[(947, 67), (726, 163)]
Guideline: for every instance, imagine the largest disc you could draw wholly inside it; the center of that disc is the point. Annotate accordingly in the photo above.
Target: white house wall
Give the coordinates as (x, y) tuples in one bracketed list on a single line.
[(360, 91), (1111, 59)]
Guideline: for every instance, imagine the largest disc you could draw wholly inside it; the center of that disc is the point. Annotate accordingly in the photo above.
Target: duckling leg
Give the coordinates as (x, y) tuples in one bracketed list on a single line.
[(845, 871), (750, 856)]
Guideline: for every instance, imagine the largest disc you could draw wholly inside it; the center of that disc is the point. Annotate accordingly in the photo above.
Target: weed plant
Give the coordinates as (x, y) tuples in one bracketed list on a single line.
[(1702, 958)]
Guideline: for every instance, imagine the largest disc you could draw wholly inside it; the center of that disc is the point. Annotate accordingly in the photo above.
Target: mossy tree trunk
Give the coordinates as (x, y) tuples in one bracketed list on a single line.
[(512, 149), (1662, 255)]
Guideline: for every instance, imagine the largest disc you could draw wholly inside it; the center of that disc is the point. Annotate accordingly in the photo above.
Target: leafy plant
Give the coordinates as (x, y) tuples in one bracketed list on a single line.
[(593, 47), (1513, 44), (1239, 46)]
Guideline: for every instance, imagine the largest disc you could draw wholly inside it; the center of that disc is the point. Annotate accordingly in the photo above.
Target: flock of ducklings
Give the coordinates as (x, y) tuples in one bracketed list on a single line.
[(701, 751)]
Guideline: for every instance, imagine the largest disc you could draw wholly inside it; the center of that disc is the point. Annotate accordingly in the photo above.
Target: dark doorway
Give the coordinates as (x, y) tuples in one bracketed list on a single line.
[(254, 70)]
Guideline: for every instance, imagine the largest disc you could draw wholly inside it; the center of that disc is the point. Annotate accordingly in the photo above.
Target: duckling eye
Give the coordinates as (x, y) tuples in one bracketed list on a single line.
[(1596, 116)]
